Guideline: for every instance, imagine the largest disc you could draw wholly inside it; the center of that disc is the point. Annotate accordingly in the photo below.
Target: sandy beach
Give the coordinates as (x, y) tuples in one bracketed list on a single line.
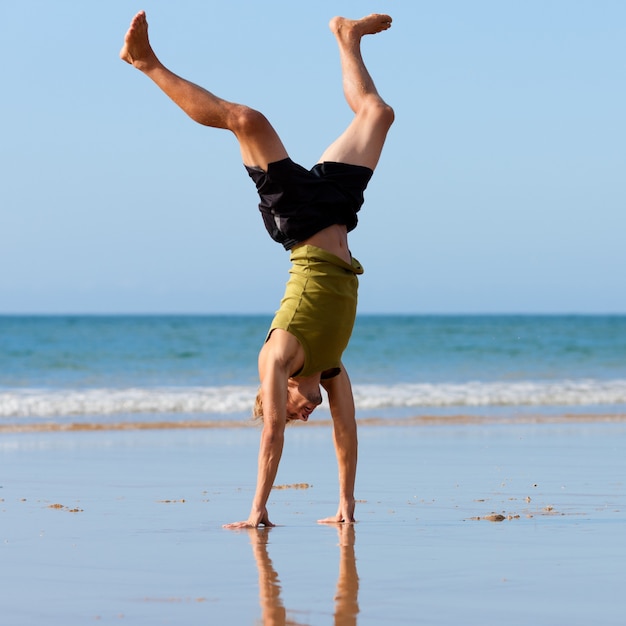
[(480, 523)]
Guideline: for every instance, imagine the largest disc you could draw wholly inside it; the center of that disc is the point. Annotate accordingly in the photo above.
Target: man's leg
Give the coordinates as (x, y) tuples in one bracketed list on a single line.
[(258, 141), (363, 140)]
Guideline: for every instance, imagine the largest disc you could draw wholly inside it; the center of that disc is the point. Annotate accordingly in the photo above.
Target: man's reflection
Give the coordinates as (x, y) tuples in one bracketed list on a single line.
[(346, 596)]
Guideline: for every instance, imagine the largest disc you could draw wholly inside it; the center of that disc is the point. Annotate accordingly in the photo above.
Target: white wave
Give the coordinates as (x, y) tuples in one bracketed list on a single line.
[(56, 402), (474, 394), (239, 399)]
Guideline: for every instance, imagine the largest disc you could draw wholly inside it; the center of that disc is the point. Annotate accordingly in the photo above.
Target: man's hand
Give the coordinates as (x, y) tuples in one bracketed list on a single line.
[(345, 515), (255, 520)]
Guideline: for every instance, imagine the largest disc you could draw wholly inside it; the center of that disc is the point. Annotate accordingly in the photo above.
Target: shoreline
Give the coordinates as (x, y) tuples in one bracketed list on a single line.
[(418, 420)]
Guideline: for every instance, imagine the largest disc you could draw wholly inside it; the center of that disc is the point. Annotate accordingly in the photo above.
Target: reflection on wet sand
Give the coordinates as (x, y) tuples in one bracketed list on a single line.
[(346, 596)]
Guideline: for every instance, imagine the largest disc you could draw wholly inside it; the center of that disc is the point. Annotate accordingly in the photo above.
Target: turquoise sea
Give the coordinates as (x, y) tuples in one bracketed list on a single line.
[(105, 369)]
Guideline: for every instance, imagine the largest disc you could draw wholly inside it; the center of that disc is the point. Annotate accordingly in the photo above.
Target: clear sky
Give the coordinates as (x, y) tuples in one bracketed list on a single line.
[(501, 187)]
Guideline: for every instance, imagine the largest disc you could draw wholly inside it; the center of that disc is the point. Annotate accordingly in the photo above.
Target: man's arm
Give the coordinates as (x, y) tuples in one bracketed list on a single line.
[(277, 359), (342, 410)]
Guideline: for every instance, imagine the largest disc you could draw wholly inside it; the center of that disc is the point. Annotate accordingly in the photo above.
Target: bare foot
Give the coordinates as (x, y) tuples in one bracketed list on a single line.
[(136, 49), (346, 29)]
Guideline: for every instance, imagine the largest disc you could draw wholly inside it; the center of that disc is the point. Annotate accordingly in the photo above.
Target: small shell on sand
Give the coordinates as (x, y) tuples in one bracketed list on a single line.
[(293, 486), (65, 508)]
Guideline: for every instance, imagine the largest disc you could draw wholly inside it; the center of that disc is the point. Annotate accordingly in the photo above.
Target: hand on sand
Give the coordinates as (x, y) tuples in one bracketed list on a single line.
[(254, 521), (336, 519), (246, 524), (345, 513)]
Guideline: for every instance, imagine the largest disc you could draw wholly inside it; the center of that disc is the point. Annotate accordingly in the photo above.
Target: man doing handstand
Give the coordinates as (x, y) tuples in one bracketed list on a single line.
[(309, 212)]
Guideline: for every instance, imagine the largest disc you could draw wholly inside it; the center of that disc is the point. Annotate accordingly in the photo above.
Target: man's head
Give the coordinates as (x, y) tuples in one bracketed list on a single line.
[(303, 396)]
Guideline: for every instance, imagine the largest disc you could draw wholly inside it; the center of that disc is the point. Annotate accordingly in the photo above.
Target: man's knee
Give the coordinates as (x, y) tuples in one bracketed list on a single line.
[(377, 113), (385, 115), (247, 122)]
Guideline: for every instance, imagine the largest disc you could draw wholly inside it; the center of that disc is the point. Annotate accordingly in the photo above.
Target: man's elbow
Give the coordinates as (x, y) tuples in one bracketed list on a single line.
[(273, 433)]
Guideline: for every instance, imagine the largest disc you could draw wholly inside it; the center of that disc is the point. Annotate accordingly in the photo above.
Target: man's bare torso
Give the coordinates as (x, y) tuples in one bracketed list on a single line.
[(333, 239)]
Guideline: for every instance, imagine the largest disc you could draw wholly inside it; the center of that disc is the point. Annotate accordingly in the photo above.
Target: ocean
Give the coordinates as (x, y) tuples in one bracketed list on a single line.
[(103, 370)]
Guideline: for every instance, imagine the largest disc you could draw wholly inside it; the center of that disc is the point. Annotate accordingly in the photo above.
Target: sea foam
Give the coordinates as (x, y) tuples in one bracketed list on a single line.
[(225, 400)]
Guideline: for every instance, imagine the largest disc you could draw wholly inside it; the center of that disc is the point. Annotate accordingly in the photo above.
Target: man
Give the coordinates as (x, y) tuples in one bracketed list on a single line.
[(309, 213)]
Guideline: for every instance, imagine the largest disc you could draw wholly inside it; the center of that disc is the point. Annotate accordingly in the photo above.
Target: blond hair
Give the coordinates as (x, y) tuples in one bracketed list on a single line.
[(257, 410)]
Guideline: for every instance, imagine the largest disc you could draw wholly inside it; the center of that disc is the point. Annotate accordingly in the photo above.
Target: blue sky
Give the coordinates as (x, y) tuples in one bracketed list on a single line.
[(501, 187)]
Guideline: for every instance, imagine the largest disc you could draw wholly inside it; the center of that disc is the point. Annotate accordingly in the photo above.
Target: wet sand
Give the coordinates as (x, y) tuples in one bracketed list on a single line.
[(469, 522)]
